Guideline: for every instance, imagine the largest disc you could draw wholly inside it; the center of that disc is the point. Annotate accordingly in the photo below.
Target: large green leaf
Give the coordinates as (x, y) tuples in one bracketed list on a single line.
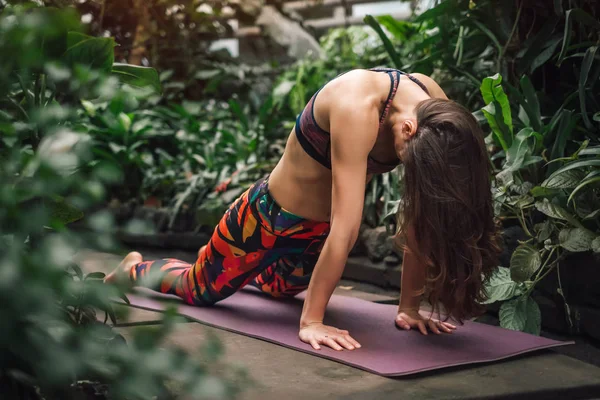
[(501, 287), (519, 154), (524, 262), (533, 324), (387, 44), (564, 180), (555, 211), (576, 165), (586, 65), (497, 111), (521, 314), (137, 76), (576, 239), (96, 53)]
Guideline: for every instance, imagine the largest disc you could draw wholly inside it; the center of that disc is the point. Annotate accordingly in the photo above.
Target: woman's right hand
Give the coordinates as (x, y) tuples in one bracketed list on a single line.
[(317, 334)]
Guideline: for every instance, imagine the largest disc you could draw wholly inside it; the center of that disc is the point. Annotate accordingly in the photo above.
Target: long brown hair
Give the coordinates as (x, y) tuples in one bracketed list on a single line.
[(448, 204)]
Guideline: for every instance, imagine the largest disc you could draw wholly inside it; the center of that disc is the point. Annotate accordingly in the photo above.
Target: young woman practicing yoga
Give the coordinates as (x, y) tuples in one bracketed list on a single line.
[(294, 229)]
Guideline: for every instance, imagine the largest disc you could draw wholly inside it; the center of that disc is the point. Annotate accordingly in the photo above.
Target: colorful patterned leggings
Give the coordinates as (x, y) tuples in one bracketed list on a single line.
[(256, 242)]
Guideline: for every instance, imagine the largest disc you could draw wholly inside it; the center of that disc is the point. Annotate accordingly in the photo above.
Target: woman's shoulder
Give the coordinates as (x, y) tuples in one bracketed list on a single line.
[(358, 82), (432, 86)]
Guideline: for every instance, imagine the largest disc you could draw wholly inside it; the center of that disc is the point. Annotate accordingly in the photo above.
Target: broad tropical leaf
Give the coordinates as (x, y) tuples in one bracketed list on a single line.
[(564, 180), (137, 76), (577, 164), (93, 52), (521, 314), (497, 111), (524, 262), (556, 211), (501, 287), (576, 239)]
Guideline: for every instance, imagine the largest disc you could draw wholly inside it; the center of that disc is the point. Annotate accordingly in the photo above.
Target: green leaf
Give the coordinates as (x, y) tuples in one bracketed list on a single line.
[(444, 8), (400, 29), (593, 215), (555, 211), (387, 44), (89, 107), (545, 55), (532, 105), (537, 45), (124, 121), (576, 239), (497, 111), (237, 110), (96, 53), (576, 165), (590, 151), (487, 32), (543, 230), (521, 314), (596, 245), (589, 180), (581, 16), (501, 287), (540, 191), (564, 180), (136, 76), (63, 212), (207, 74), (533, 324), (524, 262), (558, 8), (565, 127), (586, 65), (519, 151)]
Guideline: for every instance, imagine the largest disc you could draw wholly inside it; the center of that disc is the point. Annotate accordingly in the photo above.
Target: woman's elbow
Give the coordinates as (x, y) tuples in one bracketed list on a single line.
[(344, 238)]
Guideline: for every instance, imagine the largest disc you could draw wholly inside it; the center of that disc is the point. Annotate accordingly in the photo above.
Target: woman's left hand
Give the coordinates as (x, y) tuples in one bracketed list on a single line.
[(408, 319)]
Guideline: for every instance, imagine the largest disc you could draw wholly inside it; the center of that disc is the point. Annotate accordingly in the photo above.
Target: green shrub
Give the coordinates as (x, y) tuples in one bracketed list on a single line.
[(52, 173)]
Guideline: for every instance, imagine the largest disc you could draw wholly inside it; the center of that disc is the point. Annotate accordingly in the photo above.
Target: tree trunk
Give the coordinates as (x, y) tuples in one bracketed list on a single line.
[(142, 33)]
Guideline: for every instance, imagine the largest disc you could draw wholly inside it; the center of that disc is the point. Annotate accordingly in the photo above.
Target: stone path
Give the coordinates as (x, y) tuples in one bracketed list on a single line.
[(283, 374)]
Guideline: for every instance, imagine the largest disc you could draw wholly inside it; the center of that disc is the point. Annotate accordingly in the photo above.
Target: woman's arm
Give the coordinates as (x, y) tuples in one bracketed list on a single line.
[(414, 275), (353, 122)]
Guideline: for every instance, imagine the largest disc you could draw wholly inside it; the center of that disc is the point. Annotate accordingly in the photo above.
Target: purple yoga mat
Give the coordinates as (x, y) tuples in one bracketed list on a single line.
[(385, 350)]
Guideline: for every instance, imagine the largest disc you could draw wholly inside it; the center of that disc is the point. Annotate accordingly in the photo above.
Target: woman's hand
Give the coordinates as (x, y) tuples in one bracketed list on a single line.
[(316, 334), (407, 319)]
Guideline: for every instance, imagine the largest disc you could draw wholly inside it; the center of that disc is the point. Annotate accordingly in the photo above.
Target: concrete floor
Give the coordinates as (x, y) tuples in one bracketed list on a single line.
[(280, 373)]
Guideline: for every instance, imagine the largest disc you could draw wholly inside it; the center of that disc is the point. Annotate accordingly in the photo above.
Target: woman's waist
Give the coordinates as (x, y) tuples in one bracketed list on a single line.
[(301, 192)]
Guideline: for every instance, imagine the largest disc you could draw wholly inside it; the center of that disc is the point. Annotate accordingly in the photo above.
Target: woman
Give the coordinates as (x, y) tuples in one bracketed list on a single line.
[(293, 230)]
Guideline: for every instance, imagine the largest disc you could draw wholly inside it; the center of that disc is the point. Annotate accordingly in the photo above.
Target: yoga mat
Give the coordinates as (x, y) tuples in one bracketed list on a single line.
[(385, 351)]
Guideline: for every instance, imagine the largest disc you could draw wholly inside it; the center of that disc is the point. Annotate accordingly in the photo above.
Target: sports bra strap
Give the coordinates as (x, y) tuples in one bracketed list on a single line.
[(395, 80)]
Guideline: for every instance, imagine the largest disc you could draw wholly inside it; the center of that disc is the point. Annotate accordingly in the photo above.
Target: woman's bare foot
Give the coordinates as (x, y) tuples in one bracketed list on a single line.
[(121, 273)]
